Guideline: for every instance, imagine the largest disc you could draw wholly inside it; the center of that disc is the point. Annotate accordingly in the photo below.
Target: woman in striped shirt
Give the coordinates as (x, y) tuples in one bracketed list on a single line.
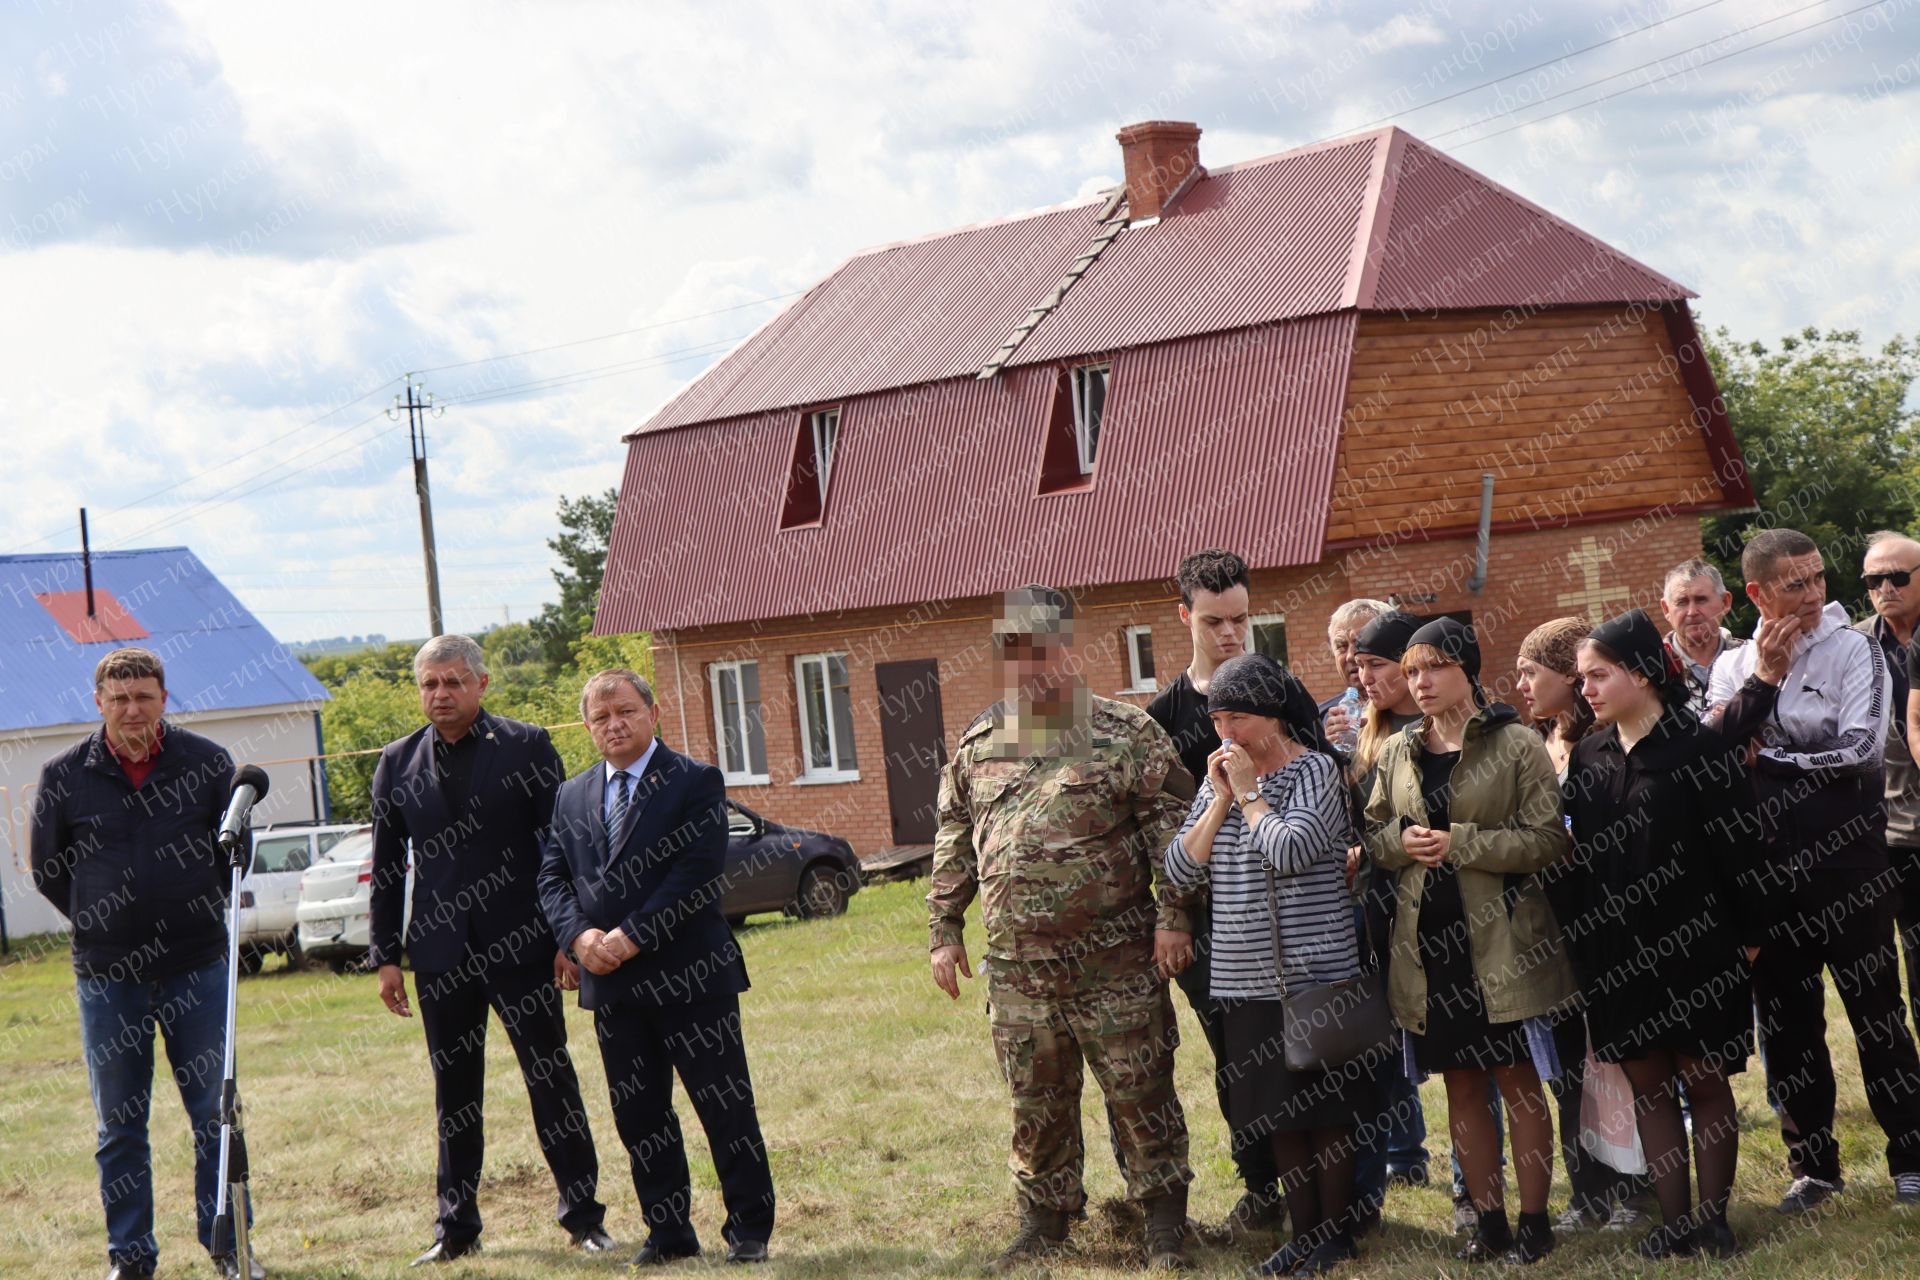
[(1274, 799)]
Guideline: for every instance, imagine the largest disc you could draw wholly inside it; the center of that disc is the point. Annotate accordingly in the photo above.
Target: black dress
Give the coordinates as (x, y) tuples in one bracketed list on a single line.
[(1668, 893), (1458, 1036)]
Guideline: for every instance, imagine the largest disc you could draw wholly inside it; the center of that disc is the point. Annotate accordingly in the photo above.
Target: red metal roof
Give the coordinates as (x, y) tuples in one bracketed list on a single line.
[(934, 487), (1379, 221)]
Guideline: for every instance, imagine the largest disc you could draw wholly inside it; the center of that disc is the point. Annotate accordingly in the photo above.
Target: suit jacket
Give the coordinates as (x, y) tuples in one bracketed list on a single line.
[(661, 888), (474, 871)]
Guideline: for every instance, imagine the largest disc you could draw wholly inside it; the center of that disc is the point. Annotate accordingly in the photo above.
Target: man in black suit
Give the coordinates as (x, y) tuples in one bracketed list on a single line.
[(472, 794), (631, 883)]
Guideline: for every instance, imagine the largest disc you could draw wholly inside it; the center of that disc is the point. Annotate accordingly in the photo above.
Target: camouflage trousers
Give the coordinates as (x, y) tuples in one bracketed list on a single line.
[(1046, 1022)]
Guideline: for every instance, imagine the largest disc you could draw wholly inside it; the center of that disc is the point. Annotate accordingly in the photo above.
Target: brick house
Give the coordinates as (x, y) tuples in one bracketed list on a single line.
[(1355, 363)]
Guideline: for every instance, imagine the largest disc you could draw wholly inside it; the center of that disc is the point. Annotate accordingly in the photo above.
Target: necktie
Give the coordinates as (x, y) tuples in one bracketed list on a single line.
[(617, 820)]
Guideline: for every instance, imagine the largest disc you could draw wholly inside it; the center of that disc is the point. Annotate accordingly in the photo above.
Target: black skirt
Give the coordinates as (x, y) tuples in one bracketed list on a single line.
[(1459, 1037), (1264, 1097)]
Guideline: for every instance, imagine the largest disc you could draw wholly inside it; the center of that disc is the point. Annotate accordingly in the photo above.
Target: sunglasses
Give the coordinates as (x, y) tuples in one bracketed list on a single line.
[(1897, 578)]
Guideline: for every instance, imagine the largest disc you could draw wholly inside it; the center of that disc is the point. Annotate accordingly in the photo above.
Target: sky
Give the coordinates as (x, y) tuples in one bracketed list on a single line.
[(229, 231)]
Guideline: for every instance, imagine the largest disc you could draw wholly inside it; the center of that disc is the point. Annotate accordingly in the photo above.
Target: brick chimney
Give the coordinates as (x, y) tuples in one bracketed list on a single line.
[(1161, 156)]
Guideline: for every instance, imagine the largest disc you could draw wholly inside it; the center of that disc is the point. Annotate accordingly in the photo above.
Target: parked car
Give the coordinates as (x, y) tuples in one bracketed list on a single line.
[(270, 891), (769, 867), (774, 867), (335, 903)]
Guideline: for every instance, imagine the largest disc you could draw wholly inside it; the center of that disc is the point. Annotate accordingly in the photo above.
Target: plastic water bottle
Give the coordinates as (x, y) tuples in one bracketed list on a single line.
[(1350, 703)]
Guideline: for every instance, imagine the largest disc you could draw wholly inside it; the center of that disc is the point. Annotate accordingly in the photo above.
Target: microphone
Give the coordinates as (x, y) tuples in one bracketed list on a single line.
[(249, 785)]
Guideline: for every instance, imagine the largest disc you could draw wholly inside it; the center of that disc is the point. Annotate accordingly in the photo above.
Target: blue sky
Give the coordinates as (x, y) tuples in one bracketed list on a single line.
[(222, 222)]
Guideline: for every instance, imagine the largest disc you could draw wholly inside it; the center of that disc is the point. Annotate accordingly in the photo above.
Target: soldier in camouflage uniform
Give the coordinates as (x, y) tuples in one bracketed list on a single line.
[(1053, 811)]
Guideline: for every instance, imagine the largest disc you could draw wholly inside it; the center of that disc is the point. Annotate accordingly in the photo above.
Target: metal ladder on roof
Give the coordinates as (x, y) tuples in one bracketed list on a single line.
[(1112, 221)]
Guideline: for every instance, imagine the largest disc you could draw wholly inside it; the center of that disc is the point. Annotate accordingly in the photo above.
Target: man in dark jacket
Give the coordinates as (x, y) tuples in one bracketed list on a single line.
[(125, 844), (471, 795), (631, 883), (1890, 567)]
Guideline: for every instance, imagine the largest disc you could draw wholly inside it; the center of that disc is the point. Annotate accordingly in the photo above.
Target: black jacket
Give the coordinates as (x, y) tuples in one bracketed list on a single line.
[(661, 888), (1666, 884), (473, 870), (139, 873)]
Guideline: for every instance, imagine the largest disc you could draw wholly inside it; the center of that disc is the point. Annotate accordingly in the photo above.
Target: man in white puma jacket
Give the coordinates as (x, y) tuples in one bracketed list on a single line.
[(1813, 697)]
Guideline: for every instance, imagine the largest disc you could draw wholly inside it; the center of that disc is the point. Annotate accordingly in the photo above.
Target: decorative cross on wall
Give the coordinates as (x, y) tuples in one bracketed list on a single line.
[(1592, 599)]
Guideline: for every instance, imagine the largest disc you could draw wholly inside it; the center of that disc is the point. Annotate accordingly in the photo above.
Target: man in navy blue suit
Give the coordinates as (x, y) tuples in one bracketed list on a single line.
[(631, 883), (471, 795)]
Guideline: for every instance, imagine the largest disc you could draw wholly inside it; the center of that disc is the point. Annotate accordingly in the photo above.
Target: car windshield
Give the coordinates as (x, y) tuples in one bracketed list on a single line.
[(351, 849)]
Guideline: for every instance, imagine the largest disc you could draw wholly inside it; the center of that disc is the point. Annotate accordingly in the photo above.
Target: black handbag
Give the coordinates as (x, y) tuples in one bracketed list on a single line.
[(1329, 1024)]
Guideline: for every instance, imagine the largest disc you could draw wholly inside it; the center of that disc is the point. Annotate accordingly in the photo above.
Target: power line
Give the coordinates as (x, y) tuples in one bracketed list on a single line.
[(1652, 62), (1608, 97), (1488, 84), (578, 342), (553, 381)]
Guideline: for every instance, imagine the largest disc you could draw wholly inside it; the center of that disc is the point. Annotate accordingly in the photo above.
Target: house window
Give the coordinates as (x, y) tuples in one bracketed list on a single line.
[(738, 731), (826, 429), (1089, 406), (811, 468), (1140, 660), (1270, 636), (826, 718)]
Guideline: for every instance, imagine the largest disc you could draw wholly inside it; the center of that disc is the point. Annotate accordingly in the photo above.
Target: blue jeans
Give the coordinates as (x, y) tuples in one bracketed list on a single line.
[(1395, 1139), (117, 1020)]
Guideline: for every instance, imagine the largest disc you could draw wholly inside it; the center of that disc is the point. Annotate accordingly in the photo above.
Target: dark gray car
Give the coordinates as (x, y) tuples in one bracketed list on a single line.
[(774, 867)]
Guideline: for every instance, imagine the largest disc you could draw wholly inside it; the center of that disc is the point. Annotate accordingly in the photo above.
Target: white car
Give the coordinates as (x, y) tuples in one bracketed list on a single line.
[(336, 894), (270, 891)]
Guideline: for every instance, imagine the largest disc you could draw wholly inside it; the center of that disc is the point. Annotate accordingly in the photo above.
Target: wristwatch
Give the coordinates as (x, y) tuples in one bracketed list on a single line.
[(1253, 793)]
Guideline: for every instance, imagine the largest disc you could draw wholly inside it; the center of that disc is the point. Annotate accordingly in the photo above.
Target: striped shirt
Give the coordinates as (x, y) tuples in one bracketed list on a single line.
[(1304, 837)]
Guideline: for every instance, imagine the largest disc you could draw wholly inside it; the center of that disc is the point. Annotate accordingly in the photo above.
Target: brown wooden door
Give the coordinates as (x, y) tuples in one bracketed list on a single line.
[(913, 736)]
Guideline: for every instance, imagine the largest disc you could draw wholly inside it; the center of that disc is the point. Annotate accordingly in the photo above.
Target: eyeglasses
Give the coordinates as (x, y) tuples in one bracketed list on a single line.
[(1897, 578)]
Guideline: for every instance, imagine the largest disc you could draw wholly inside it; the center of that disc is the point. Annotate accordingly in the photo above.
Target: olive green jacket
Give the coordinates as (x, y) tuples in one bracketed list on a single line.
[(1507, 824)]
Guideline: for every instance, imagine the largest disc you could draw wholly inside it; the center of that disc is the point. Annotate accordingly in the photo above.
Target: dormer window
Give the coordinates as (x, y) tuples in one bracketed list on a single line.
[(1071, 446), (811, 469)]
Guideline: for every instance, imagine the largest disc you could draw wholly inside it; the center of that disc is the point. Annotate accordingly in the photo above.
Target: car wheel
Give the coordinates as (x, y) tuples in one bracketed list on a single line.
[(735, 922), (823, 892), (296, 958), (251, 958), (338, 966)]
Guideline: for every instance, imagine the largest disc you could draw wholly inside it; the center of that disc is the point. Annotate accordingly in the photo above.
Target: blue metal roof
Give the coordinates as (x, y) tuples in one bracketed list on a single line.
[(217, 655)]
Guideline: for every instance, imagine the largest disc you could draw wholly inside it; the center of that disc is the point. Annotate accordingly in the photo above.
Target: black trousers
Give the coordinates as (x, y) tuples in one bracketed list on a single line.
[(1252, 1154), (1839, 920), (453, 1010), (643, 1047), (1905, 859)]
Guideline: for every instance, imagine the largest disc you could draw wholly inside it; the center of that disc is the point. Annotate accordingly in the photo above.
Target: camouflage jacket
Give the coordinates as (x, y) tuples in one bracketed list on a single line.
[(1064, 853)]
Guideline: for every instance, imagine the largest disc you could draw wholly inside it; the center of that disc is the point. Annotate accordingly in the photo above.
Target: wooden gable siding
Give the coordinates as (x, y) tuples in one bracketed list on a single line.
[(1577, 412)]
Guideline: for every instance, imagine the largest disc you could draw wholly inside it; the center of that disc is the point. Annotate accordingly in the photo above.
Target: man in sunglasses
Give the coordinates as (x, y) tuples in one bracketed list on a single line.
[(1892, 561), (1811, 697)]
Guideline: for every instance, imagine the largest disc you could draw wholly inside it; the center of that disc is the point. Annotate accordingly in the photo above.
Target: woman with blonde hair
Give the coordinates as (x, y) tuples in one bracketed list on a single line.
[(1465, 809)]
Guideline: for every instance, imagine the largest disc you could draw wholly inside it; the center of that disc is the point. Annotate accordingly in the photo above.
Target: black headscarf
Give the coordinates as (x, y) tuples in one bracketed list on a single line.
[(1259, 686), (1633, 638), (1455, 639), (1387, 636)]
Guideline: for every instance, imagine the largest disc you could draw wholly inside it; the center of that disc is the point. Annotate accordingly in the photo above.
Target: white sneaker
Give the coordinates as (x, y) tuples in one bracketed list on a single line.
[(1624, 1217), (1906, 1190)]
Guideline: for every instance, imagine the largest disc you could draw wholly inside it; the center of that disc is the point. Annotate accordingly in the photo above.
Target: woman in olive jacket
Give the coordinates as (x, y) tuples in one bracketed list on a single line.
[(1672, 910), (1465, 808)]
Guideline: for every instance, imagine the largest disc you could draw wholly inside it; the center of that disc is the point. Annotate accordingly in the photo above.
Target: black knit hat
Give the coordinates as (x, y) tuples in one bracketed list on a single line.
[(1453, 638), (1633, 638), (1259, 686), (1387, 635)]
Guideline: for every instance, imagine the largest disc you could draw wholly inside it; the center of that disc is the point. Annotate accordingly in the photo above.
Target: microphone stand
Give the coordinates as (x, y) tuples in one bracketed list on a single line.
[(230, 1237)]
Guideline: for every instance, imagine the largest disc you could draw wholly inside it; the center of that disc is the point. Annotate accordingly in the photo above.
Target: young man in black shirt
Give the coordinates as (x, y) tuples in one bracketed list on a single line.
[(1214, 595)]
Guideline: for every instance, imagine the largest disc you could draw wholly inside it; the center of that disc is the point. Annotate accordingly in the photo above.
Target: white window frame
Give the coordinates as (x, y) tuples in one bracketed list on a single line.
[(1139, 681), (732, 778), (1087, 442), (825, 425), (1263, 620), (809, 773)]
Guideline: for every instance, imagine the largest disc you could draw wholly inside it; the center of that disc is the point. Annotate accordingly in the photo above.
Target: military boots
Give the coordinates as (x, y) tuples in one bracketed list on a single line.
[(1167, 1231), (1042, 1232)]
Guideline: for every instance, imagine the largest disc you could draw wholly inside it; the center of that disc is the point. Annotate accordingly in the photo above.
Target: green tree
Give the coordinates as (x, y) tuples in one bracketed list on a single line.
[(586, 527), (1828, 429)]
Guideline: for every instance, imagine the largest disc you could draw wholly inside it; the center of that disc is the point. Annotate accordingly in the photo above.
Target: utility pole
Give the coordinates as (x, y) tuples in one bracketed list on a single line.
[(418, 405)]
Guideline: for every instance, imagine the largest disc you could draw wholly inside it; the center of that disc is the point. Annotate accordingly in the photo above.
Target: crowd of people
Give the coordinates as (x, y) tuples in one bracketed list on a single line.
[(1593, 905)]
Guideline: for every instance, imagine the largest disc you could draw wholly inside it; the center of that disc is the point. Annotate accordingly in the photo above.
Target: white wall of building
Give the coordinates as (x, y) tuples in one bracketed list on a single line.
[(279, 739)]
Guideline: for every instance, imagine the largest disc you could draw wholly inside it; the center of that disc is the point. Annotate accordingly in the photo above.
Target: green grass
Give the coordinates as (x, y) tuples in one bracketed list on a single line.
[(886, 1120)]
